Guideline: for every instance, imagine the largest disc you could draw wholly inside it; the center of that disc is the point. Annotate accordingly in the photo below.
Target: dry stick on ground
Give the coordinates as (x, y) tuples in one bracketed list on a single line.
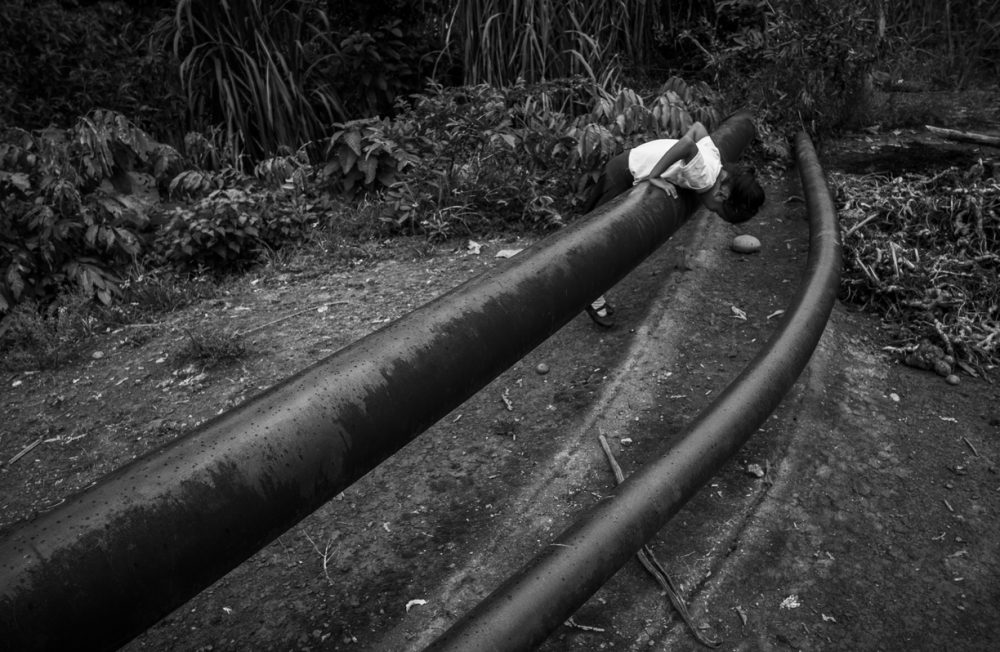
[(294, 314), (965, 136), (24, 451), (650, 563), (325, 556), (859, 225)]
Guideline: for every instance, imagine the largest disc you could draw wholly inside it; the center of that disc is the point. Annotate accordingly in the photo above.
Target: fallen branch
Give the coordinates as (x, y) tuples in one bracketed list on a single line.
[(325, 556), (650, 563), (289, 316), (586, 628), (24, 451), (965, 136), (859, 225)]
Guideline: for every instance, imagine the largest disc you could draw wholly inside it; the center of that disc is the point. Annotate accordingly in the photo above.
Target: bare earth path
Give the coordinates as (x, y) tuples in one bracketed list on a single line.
[(874, 525)]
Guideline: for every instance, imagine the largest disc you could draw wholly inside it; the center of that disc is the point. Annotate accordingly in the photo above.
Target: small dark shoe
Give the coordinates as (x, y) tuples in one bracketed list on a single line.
[(602, 315)]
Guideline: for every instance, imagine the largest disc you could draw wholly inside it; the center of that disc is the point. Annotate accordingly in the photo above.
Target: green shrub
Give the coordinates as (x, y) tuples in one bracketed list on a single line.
[(378, 66), (58, 226), (363, 156), (521, 156), (219, 231), (482, 163), (228, 230)]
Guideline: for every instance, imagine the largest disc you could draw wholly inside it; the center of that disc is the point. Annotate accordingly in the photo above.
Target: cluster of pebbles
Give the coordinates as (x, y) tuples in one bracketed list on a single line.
[(931, 357)]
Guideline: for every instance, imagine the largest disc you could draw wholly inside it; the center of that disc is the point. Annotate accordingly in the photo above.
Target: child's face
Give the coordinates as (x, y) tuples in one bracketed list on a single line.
[(723, 185), (715, 199)]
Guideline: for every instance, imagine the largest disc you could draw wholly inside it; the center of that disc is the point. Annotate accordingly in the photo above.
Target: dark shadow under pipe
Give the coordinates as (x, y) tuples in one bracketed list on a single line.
[(112, 560), (529, 606)]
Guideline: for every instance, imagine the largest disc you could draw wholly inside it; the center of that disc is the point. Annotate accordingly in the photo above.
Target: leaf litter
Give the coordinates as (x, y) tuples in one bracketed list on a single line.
[(923, 250)]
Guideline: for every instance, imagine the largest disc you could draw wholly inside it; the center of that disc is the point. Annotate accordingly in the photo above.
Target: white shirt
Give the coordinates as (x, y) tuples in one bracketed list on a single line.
[(699, 173)]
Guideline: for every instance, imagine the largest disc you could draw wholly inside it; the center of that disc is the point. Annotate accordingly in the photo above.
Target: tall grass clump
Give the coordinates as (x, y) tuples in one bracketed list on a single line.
[(501, 41), (262, 69)]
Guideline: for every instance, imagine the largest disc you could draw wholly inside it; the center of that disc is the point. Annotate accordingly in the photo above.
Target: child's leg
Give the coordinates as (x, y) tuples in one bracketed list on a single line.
[(614, 180)]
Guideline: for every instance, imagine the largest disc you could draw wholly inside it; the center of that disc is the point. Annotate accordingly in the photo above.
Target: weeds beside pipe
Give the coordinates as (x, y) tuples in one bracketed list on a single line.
[(529, 606)]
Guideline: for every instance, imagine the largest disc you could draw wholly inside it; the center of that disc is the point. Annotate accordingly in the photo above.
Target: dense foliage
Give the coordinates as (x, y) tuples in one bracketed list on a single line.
[(62, 59), (522, 155), (58, 226), (273, 75), (81, 206), (75, 209), (794, 62), (953, 43), (193, 136)]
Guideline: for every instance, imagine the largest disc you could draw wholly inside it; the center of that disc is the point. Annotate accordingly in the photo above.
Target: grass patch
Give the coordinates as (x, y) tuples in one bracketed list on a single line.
[(33, 337), (209, 345), (150, 295)]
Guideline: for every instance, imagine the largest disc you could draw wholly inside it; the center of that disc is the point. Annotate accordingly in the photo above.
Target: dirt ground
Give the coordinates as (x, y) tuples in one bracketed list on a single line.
[(863, 515)]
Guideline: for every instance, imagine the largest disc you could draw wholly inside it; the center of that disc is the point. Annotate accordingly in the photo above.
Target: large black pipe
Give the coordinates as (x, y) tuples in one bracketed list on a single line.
[(541, 596), (114, 559)]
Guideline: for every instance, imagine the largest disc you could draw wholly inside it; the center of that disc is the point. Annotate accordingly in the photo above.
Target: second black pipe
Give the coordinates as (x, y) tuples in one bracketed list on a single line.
[(541, 596)]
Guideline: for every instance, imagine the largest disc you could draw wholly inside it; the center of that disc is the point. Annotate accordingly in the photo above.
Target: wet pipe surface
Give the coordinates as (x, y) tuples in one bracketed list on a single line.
[(241, 479)]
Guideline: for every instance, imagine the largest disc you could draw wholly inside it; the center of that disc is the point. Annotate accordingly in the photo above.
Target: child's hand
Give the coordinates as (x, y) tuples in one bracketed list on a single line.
[(665, 186)]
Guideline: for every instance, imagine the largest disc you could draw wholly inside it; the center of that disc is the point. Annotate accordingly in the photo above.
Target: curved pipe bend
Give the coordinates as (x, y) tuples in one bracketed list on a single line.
[(548, 590)]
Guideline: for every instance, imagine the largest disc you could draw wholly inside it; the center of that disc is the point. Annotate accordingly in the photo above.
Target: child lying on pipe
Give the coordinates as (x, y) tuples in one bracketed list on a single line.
[(692, 162)]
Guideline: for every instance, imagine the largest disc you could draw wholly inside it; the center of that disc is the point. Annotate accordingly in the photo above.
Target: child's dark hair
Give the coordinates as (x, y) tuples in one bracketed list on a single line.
[(745, 195)]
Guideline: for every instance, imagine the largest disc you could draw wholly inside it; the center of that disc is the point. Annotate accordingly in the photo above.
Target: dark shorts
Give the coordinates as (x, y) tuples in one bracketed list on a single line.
[(614, 180)]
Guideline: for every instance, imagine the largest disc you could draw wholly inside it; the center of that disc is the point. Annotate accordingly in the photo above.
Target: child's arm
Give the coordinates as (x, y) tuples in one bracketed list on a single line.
[(683, 150)]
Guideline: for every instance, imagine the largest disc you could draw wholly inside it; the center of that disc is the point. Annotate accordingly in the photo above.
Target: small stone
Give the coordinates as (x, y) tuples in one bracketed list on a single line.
[(542, 368), (97, 355), (745, 244), (952, 379)]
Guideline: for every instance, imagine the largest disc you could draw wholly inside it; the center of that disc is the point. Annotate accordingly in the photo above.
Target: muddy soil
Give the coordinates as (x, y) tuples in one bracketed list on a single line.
[(862, 515)]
